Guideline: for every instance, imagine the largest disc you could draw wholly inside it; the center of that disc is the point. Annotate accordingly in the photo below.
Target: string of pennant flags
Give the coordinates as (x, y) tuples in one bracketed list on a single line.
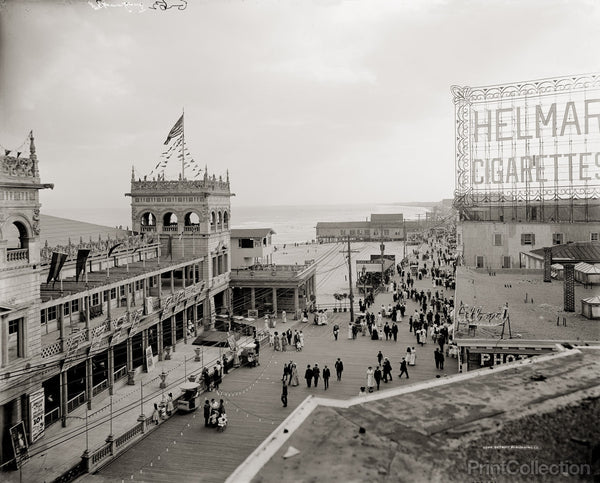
[(147, 467), (179, 147), (18, 150)]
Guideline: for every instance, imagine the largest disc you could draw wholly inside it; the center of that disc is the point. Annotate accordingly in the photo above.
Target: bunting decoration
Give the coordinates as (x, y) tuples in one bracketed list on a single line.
[(82, 256), (58, 260), (176, 130), (113, 249)]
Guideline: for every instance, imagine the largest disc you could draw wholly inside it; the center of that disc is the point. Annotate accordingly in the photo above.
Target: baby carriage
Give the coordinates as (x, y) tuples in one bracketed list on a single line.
[(222, 422)]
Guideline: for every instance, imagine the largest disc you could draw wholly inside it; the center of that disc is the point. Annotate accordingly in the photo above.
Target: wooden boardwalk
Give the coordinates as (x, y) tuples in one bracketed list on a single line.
[(183, 450)]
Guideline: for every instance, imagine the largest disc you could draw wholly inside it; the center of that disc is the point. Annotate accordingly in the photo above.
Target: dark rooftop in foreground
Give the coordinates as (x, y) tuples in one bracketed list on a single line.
[(443, 433)]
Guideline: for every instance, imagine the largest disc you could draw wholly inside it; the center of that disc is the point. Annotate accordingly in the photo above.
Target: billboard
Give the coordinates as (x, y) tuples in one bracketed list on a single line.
[(537, 140)]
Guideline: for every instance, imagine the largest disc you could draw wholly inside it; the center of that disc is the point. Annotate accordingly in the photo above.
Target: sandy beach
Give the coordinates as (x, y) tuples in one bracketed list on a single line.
[(332, 269)]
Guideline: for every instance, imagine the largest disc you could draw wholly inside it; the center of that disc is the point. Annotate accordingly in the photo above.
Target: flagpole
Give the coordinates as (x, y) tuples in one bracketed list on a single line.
[(182, 145)]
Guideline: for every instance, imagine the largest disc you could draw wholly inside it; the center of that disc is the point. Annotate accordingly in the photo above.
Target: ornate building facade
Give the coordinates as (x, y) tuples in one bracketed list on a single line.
[(68, 336)]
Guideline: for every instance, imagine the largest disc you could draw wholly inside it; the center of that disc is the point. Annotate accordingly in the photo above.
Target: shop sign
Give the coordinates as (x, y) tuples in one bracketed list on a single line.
[(37, 410)]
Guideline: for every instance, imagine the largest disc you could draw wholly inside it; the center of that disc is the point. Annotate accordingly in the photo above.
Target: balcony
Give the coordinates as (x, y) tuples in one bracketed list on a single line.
[(17, 255), (148, 228), (170, 228)]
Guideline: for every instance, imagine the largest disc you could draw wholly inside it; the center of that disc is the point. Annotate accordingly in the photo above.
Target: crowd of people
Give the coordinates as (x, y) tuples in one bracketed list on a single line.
[(287, 339)]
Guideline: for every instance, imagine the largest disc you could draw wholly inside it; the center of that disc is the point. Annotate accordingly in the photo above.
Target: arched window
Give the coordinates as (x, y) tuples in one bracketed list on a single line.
[(169, 219), (17, 237), (226, 219), (148, 219), (213, 220), (191, 219), (220, 220)]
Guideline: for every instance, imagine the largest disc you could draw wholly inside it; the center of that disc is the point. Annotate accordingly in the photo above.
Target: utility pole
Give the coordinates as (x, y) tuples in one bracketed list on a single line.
[(404, 228), (382, 248), (351, 295)]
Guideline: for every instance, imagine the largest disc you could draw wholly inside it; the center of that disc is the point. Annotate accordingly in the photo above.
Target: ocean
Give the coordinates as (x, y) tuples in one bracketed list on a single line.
[(298, 223), (290, 223)]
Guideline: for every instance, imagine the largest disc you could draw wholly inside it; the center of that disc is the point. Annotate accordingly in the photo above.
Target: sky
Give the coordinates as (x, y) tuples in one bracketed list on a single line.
[(303, 102)]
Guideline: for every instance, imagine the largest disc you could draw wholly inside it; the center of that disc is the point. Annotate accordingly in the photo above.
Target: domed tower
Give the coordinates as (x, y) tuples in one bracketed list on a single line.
[(191, 218)]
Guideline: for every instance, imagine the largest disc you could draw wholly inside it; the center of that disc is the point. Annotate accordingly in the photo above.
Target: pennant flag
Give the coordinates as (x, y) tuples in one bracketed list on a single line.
[(58, 260), (82, 256), (176, 130), (113, 249)]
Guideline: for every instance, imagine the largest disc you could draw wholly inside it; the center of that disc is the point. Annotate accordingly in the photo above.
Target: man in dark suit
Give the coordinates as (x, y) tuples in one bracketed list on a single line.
[(316, 374), (326, 376), (308, 375), (284, 394), (339, 367)]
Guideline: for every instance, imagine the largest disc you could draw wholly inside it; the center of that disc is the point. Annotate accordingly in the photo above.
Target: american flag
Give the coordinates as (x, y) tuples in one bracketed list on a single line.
[(176, 130)]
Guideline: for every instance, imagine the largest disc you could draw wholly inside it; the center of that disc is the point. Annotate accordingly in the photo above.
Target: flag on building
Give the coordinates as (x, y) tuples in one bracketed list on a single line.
[(176, 130), (113, 249), (58, 260), (82, 256)]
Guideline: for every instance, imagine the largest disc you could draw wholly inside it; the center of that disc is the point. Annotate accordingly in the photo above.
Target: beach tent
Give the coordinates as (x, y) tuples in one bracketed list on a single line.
[(587, 273), (590, 307)]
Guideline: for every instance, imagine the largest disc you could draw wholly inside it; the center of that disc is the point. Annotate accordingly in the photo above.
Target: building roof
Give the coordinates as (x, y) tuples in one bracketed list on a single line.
[(578, 251), (389, 217), (58, 231), (251, 232), (534, 305), (431, 431), (343, 224)]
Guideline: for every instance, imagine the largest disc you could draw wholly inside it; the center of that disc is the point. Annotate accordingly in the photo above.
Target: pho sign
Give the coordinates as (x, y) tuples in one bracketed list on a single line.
[(540, 139)]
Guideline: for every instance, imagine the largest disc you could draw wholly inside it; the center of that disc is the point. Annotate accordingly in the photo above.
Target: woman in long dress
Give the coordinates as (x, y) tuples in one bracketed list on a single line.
[(370, 379), (350, 330), (271, 339), (413, 357), (277, 342), (407, 357), (294, 381), (284, 342)]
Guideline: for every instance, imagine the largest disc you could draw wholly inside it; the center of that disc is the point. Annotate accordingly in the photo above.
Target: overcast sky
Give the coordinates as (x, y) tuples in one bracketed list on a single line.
[(304, 102)]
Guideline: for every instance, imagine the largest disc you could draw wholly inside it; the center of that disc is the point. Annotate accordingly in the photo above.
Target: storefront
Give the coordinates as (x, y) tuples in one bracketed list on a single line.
[(479, 353)]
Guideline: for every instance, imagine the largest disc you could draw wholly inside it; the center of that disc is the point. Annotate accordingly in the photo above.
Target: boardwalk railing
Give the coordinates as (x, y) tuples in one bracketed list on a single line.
[(75, 402)]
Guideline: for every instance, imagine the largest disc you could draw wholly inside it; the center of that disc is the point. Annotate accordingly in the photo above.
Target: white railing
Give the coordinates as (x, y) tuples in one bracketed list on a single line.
[(21, 254), (98, 388), (119, 373), (170, 228), (75, 402), (147, 228)]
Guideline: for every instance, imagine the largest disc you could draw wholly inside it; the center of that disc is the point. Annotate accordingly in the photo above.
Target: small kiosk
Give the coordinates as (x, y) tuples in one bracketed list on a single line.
[(190, 398)]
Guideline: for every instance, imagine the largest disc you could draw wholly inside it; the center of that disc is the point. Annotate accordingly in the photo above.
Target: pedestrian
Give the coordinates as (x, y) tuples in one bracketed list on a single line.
[(377, 376), (326, 376), (370, 379), (379, 357), (350, 330), (336, 331), (395, 331), (308, 375), (284, 394), (216, 378), (413, 357), (283, 316), (339, 368), (284, 342), (155, 414), (436, 356), (170, 404), (403, 369), (294, 378), (387, 370), (441, 356), (316, 374), (206, 412)]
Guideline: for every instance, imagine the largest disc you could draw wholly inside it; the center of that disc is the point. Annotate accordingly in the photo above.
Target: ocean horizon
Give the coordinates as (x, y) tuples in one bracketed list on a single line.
[(291, 223)]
